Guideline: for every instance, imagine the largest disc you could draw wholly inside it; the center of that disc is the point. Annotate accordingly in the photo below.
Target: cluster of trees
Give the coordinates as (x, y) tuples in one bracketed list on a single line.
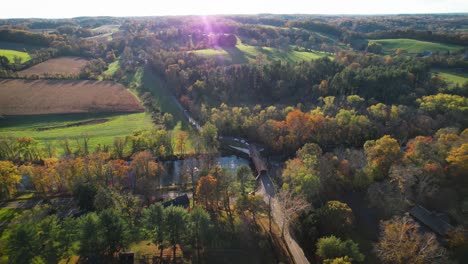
[(387, 79), (111, 217), (40, 236), (75, 31), (348, 121), (93, 69), (27, 149), (72, 174), (427, 172), (283, 38), (27, 37)]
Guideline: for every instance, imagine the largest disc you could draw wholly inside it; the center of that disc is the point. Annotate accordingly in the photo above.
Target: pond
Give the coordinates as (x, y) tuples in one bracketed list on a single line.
[(181, 171)]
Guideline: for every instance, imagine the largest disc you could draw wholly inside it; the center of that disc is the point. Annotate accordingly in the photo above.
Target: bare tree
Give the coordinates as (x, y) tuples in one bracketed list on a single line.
[(401, 241), (291, 205)]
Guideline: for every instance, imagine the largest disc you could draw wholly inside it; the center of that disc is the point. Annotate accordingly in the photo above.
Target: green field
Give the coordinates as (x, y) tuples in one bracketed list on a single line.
[(145, 78), (452, 77), (10, 54), (113, 67), (415, 46), (118, 125), (245, 54)]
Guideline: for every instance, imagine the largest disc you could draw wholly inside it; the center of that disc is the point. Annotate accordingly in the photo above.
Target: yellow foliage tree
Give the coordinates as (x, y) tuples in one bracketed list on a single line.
[(458, 159), (9, 178)]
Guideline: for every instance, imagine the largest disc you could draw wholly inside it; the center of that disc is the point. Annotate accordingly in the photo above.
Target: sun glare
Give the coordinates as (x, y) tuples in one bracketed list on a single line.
[(57, 8)]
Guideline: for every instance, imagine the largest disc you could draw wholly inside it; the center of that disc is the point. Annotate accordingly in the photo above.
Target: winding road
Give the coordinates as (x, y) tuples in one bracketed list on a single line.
[(267, 189)]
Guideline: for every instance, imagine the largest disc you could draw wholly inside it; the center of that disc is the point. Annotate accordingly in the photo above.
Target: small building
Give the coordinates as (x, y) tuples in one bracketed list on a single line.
[(426, 53), (432, 220), (182, 201)]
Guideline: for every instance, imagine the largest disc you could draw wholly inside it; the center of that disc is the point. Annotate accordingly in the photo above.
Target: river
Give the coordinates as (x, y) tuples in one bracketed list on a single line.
[(180, 171)]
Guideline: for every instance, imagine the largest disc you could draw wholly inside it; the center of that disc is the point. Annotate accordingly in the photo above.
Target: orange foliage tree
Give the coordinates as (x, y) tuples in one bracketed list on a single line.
[(208, 192)]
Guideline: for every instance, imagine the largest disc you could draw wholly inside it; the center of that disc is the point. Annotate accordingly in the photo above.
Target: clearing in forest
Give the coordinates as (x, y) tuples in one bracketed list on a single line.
[(62, 65), (453, 77), (34, 97), (11, 54), (243, 53), (415, 46)]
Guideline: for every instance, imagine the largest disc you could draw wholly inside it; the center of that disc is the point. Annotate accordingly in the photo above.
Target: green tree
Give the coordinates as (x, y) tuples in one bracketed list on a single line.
[(374, 47), (23, 243), (69, 235), (153, 221), (84, 194), (251, 203), (52, 248), (113, 231), (301, 178), (209, 134), (119, 147), (4, 62), (200, 229), (336, 218), (243, 174), (90, 239), (176, 219), (104, 199), (332, 247)]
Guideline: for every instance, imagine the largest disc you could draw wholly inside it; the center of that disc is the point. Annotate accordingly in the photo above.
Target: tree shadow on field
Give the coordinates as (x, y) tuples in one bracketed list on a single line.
[(237, 56)]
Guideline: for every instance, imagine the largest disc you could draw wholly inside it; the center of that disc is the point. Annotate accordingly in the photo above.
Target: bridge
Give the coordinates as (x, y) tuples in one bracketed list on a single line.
[(254, 154), (260, 164)]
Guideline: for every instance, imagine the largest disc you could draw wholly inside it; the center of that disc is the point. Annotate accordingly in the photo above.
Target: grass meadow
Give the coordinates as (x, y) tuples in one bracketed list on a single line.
[(11, 54), (118, 125), (452, 77), (243, 53), (415, 46)]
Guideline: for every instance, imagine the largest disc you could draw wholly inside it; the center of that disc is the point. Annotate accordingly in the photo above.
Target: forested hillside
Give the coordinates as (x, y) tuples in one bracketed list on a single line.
[(359, 124)]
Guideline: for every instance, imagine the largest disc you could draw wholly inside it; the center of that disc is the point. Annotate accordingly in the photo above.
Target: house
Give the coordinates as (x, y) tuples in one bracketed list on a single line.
[(432, 220), (182, 201)]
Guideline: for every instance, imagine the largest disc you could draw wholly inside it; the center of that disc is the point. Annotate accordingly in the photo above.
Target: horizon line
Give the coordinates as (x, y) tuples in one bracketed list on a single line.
[(244, 14)]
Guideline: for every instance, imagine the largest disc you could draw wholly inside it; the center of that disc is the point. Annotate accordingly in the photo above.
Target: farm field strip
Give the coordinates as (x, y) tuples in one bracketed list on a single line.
[(62, 65), (33, 97)]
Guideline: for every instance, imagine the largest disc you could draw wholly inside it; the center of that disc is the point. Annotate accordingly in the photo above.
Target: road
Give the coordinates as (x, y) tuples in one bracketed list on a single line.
[(21, 204), (267, 189)]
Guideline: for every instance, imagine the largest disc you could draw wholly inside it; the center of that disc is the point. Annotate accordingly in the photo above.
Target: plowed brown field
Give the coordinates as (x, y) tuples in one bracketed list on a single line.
[(34, 97), (62, 65)]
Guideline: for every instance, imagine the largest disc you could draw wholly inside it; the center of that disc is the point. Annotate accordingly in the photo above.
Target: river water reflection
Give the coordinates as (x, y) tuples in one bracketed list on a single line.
[(181, 171)]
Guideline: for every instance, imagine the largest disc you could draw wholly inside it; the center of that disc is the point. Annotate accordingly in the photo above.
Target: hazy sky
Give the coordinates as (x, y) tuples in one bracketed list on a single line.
[(68, 8)]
